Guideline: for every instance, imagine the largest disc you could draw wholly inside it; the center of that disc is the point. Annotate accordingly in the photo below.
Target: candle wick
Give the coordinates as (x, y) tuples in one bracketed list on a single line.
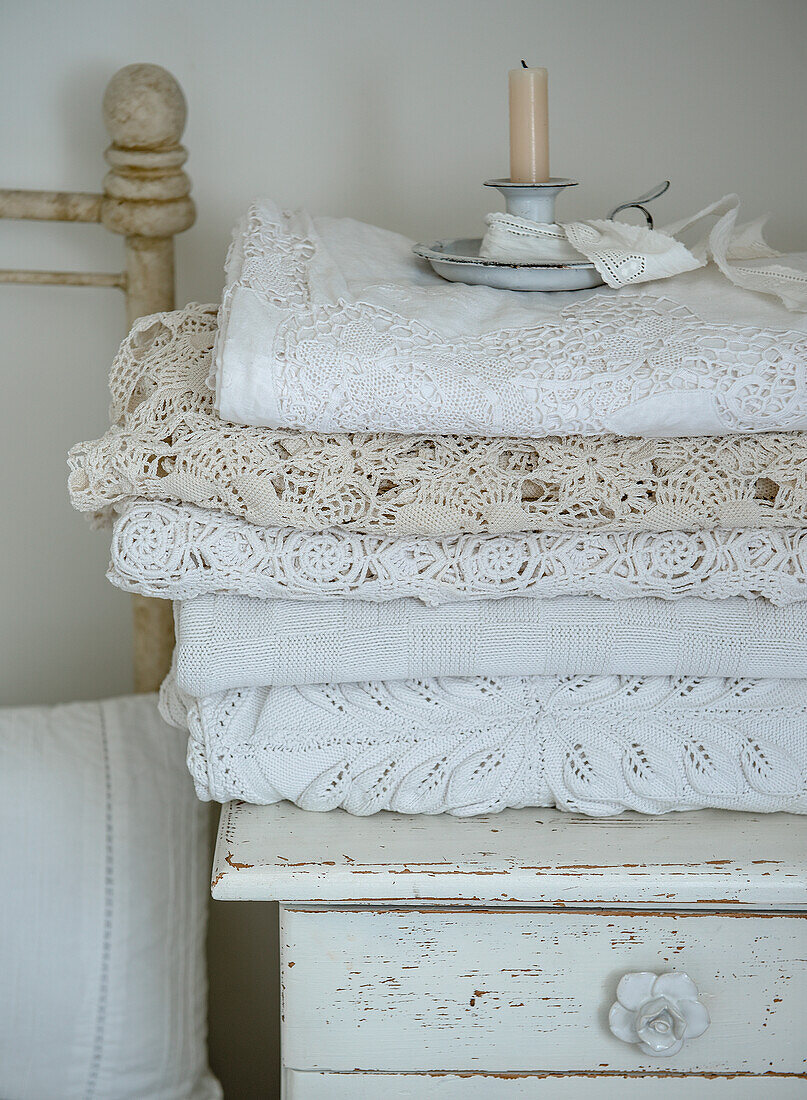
[(524, 64)]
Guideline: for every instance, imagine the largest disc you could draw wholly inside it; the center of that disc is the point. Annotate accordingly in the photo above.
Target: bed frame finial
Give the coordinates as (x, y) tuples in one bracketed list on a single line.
[(146, 193), (144, 108)]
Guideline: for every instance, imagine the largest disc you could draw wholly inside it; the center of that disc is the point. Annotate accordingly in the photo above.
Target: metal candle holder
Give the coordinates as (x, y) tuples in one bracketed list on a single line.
[(535, 201), (458, 259)]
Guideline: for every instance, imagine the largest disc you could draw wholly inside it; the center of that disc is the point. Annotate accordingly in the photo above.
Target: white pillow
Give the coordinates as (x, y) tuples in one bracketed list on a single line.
[(102, 907)]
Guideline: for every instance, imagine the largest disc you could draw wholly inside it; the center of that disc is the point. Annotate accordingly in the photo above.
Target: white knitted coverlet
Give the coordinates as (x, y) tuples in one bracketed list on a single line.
[(331, 325), (228, 642), (177, 552), (166, 442), (596, 745)]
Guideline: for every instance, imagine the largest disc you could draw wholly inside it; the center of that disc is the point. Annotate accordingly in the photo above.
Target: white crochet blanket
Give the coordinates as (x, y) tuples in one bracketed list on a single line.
[(228, 642), (332, 325), (167, 443), (176, 552), (597, 745)]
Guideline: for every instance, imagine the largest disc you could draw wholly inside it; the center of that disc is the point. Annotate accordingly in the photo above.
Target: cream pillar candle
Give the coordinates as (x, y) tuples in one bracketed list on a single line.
[(529, 125)]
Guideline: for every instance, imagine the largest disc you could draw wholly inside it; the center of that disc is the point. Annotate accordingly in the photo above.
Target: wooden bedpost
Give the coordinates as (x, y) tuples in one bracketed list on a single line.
[(146, 199)]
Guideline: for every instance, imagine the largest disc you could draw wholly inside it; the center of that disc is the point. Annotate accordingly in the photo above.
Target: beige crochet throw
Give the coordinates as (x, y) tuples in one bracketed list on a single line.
[(167, 443)]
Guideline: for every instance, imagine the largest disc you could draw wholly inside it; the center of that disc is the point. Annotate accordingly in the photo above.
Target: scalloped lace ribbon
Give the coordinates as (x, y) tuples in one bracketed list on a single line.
[(332, 325), (628, 254), (177, 551), (595, 745), (167, 443)]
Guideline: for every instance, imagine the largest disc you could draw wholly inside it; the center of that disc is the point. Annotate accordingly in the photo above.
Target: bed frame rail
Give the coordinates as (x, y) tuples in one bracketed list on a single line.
[(145, 199)]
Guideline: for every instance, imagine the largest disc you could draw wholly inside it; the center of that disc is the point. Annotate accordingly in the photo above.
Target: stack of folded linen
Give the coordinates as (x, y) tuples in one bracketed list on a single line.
[(445, 548)]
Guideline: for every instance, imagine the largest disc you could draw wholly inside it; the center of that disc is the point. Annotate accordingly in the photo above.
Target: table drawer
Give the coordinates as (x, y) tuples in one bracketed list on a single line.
[(501, 990)]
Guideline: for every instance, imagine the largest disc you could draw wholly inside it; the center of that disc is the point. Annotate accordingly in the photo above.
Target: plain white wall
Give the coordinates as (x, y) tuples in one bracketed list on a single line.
[(393, 111)]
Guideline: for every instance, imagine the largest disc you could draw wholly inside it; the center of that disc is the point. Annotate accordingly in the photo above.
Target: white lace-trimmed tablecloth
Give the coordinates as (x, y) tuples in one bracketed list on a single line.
[(225, 642), (596, 745), (332, 325), (167, 443), (178, 551)]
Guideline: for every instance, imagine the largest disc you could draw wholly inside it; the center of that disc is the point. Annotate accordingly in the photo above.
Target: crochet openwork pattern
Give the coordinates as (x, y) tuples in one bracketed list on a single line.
[(167, 443), (177, 552), (596, 745), (330, 356)]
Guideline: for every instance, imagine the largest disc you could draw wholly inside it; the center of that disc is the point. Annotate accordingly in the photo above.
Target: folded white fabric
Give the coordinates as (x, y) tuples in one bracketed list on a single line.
[(332, 325), (628, 254), (179, 551), (597, 745), (228, 642), (166, 443), (512, 239)]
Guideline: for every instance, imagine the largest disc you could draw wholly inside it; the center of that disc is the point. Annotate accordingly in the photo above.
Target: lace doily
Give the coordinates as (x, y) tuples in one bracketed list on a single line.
[(595, 745), (226, 642), (177, 552), (167, 443), (301, 346)]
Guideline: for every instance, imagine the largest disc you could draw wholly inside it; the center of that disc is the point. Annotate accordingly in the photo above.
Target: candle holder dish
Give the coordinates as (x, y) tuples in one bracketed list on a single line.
[(458, 259)]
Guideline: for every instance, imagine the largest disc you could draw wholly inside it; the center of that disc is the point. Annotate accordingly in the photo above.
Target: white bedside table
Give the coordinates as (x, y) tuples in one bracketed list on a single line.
[(443, 958)]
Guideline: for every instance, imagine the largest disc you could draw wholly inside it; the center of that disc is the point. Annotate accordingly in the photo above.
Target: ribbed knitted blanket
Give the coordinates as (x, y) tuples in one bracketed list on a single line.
[(228, 642), (596, 745), (177, 552), (167, 443)]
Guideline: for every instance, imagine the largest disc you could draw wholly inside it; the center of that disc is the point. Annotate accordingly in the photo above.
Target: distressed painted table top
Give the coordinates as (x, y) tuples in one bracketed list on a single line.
[(708, 859)]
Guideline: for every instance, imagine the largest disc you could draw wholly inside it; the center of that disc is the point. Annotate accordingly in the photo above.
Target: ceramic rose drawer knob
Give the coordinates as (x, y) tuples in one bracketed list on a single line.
[(660, 1012)]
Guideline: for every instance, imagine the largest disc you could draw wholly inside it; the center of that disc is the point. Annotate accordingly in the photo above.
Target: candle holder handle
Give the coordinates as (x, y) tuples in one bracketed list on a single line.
[(639, 204)]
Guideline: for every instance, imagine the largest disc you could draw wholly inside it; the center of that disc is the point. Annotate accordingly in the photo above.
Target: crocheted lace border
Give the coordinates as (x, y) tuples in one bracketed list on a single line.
[(167, 443), (397, 356), (177, 552)]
